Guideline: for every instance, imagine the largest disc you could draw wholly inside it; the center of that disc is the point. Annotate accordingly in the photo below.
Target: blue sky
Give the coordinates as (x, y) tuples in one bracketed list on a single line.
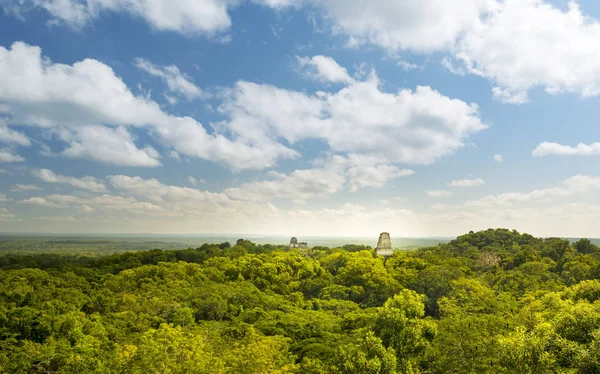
[(299, 117)]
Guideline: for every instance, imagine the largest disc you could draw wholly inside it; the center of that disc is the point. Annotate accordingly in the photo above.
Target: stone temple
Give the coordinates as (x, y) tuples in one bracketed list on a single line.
[(295, 244), (384, 245)]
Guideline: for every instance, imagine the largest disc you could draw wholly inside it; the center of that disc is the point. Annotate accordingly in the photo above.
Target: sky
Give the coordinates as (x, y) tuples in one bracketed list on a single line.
[(300, 117)]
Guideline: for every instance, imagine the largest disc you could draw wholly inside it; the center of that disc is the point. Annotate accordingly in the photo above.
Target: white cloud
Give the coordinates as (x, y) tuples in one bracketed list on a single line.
[(42, 202), (372, 172), (498, 158), (325, 69), (518, 31), (10, 136), (157, 192), (439, 193), (86, 208), (327, 177), (86, 183), (415, 127), (118, 147), (407, 24), (7, 155), (548, 149), (2, 197), (26, 188), (278, 4), (195, 181), (298, 186), (576, 185), (451, 67), (467, 183), (35, 90), (187, 17), (4, 171), (176, 81), (408, 66), (535, 44), (38, 91), (6, 215), (101, 202), (508, 97)]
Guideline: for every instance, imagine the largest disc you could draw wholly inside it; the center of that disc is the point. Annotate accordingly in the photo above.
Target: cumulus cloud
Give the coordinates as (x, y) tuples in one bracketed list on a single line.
[(26, 188), (6, 215), (509, 97), (8, 155), (118, 147), (576, 185), (10, 136), (188, 17), (372, 172), (415, 127), (498, 158), (467, 183), (298, 186), (402, 25), (42, 202), (100, 202), (2, 197), (325, 69), (157, 192), (519, 32), (37, 91), (549, 149), (408, 126), (327, 177), (278, 4), (85, 183), (174, 155), (177, 82)]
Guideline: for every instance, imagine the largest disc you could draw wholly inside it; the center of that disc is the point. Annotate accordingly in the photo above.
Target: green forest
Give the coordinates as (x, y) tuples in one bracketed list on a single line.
[(494, 301)]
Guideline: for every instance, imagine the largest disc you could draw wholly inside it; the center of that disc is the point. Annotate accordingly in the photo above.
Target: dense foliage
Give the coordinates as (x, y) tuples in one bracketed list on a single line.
[(494, 301)]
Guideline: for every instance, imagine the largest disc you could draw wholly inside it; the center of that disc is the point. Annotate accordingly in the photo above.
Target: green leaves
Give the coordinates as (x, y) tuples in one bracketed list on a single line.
[(368, 356), (494, 301)]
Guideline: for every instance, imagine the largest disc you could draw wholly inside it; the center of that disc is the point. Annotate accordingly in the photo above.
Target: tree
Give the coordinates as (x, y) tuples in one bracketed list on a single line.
[(369, 356), (401, 326), (527, 352), (585, 246)]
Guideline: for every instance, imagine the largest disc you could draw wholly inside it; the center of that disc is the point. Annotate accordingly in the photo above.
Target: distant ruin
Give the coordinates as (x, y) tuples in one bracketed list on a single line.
[(295, 244), (384, 245)]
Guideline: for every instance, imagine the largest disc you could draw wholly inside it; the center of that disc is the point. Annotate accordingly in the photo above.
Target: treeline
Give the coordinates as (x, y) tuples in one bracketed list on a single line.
[(495, 301)]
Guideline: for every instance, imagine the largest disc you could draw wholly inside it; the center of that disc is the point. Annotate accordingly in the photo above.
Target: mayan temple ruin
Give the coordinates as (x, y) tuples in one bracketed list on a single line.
[(384, 245), (295, 244)]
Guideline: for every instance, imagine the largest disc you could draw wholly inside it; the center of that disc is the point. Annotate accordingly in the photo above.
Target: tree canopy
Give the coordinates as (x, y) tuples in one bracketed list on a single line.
[(493, 301)]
